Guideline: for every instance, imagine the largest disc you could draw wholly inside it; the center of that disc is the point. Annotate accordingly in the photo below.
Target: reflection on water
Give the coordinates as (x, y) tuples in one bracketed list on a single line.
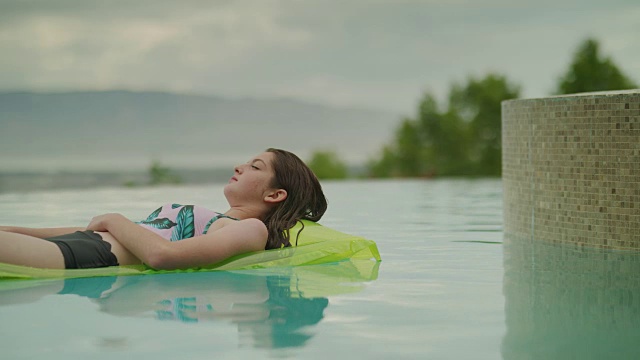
[(272, 308), (439, 293), (570, 303)]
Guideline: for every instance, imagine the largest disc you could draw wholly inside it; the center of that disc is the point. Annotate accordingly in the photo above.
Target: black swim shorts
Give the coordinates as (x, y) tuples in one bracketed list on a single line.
[(84, 250)]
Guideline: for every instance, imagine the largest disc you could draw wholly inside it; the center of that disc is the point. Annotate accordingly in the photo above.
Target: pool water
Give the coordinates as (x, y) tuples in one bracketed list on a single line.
[(447, 287)]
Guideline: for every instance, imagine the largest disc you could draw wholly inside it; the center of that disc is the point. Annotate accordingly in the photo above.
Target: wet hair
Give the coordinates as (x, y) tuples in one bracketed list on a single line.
[(305, 199)]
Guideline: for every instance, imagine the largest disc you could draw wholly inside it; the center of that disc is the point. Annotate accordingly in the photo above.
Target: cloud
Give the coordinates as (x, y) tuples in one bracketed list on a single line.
[(79, 46), (358, 53)]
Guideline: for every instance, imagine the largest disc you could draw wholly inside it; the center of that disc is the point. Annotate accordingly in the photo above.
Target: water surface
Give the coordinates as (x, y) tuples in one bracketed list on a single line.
[(442, 290), (437, 286)]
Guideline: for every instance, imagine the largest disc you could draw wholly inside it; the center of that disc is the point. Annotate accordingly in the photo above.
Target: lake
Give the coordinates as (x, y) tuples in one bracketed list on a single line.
[(448, 287)]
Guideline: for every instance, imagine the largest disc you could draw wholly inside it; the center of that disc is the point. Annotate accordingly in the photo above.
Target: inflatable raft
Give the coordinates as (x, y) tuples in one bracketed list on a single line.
[(317, 244)]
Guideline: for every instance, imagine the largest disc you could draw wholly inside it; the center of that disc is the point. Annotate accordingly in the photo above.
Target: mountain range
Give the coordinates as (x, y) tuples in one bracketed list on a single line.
[(112, 130)]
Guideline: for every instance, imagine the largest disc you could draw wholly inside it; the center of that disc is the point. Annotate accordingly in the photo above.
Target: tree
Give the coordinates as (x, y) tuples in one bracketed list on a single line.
[(590, 71), (159, 174), (385, 166), (446, 140), (409, 149), (327, 165), (463, 140), (478, 104)]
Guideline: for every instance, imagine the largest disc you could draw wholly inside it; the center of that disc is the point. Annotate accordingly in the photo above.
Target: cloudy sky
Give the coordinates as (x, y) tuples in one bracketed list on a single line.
[(364, 53)]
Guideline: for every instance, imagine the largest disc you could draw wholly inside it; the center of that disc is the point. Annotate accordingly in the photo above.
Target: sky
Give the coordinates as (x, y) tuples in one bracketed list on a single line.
[(350, 53)]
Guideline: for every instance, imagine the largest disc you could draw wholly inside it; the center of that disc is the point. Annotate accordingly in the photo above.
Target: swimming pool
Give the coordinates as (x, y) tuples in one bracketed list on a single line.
[(446, 288)]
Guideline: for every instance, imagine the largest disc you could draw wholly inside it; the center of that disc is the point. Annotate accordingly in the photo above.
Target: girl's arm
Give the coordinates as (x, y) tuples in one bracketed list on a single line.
[(235, 237), (42, 232)]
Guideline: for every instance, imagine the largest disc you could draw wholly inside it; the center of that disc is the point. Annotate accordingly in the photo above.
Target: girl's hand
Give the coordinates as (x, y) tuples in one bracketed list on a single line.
[(102, 222), (6, 228)]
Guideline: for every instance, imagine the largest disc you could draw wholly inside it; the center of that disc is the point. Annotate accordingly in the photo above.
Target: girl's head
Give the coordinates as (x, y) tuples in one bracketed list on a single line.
[(284, 188), (304, 200)]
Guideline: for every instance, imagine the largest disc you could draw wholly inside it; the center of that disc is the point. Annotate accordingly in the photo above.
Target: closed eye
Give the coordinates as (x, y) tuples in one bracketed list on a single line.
[(254, 162)]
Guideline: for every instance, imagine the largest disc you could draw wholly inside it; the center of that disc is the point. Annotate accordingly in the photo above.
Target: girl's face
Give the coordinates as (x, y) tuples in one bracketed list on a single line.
[(251, 180)]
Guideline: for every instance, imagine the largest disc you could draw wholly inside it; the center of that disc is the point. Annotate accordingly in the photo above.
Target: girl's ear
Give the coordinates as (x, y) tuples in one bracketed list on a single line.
[(276, 196)]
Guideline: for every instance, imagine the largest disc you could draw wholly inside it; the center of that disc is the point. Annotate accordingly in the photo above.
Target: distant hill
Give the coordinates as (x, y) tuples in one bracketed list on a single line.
[(124, 129)]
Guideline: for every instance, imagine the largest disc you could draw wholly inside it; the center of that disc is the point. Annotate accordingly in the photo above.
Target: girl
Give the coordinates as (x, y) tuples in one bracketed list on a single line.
[(266, 195)]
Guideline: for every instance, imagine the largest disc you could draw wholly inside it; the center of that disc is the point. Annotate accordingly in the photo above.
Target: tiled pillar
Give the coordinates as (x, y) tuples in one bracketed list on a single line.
[(571, 169)]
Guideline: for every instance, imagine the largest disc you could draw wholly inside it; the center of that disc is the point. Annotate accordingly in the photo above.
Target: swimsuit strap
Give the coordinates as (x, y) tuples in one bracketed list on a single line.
[(213, 219)]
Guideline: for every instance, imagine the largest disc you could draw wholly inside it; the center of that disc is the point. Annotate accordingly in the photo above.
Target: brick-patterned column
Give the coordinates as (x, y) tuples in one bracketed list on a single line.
[(571, 169)]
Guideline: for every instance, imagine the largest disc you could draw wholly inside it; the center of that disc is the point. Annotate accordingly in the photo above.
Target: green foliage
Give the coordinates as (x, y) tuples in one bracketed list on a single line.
[(445, 140), (463, 140), (327, 165), (409, 148), (590, 71), (159, 174), (384, 166), (478, 104), (130, 184)]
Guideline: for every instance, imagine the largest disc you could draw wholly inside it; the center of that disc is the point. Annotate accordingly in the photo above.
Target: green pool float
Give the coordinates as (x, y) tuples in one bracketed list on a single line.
[(317, 244)]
